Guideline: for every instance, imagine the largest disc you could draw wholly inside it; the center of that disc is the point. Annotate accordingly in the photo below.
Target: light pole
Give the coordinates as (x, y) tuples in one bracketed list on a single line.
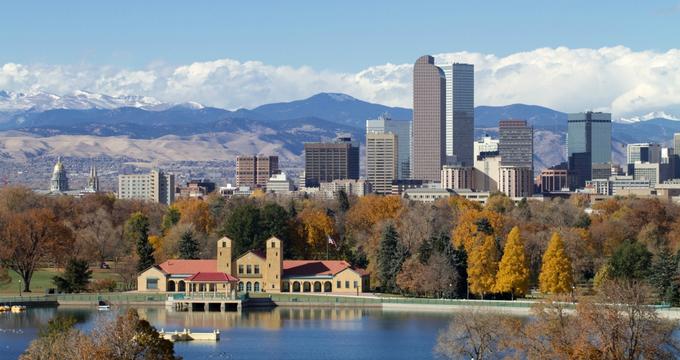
[(19, 287)]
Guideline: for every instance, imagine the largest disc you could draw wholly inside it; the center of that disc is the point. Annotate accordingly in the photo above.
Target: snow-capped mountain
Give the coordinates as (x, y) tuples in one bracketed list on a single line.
[(78, 100), (650, 116)]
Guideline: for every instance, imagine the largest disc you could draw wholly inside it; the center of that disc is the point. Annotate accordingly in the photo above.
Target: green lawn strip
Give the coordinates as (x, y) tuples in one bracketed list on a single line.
[(42, 280)]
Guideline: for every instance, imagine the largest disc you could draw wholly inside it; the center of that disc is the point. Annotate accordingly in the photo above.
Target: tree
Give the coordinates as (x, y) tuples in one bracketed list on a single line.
[(137, 230), (631, 260), (274, 221), (4, 276), (343, 201), (316, 227), (475, 335), (483, 266), (242, 226), (75, 278), (556, 272), (188, 246), (391, 256), (513, 272), (171, 218), (664, 276), (196, 212), (30, 238)]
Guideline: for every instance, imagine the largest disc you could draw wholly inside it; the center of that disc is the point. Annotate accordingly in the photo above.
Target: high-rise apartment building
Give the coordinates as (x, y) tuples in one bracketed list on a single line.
[(643, 152), (429, 113), (328, 161), (460, 112), (254, 171), (402, 129), (382, 160), (155, 186), (457, 177), (516, 143), (589, 142), (516, 181)]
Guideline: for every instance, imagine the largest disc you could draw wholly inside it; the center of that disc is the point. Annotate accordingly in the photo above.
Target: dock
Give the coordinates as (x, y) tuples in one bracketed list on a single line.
[(204, 302)]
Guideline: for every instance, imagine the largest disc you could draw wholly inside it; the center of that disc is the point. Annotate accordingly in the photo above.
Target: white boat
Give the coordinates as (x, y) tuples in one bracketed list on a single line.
[(103, 306)]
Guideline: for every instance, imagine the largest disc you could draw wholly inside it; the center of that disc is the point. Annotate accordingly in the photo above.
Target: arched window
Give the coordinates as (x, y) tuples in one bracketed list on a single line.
[(327, 286), (240, 286), (256, 287), (296, 286), (306, 287), (317, 286), (249, 287), (285, 286), (171, 285), (181, 286)]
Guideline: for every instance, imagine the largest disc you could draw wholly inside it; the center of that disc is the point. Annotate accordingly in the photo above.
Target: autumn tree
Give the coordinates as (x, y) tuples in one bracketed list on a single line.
[(513, 272), (30, 238), (556, 272), (170, 218), (391, 256), (483, 266), (316, 227), (196, 212), (137, 230), (476, 335), (98, 234)]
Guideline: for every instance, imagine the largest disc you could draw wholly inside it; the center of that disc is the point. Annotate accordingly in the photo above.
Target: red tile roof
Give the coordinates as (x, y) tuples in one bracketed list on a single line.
[(175, 266), (316, 267), (213, 277)]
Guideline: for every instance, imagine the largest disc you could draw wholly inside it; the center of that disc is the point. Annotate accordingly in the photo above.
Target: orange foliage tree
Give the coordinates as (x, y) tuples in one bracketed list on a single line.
[(197, 212)]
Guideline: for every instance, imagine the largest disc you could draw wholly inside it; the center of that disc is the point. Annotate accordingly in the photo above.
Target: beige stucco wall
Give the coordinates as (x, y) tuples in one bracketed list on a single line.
[(150, 274)]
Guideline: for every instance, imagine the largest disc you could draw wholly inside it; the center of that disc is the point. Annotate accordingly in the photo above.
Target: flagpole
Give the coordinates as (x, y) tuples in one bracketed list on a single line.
[(327, 241)]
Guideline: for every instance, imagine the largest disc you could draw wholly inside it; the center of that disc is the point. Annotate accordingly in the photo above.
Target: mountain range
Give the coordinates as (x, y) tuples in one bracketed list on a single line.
[(87, 124)]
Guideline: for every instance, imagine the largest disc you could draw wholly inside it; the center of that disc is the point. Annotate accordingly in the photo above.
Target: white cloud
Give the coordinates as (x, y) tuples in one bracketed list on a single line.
[(615, 79)]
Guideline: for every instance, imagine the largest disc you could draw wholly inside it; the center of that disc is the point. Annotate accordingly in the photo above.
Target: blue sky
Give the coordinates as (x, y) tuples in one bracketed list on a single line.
[(333, 35)]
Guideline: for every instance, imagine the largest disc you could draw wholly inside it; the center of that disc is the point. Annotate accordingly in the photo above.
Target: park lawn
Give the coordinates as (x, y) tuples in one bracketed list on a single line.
[(42, 280)]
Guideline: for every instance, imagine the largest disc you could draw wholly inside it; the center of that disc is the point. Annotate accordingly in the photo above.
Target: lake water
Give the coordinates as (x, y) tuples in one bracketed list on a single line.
[(280, 333)]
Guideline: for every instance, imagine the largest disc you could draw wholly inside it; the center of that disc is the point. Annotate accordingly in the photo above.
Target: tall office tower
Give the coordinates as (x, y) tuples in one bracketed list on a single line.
[(589, 142), (155, 186), (401, 128), (516, 143), (460, 112), (429, 113), (325, 162), (254, 171), (382, 160), (643, 152)]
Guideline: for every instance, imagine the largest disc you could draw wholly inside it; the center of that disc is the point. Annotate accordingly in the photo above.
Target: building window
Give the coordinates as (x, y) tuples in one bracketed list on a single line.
[(152, 284), (240, 286), (356, 284), (224, 244), (337, 285), (256, 287), (273, 244), (257, 269), (249, 269), (240, 269), (346, 284)]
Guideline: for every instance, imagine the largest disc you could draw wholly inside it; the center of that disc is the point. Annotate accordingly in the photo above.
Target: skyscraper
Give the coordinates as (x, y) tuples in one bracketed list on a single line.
[(254, 171), (460, 112), (401, 128), (381, 161), (429, 112), (516, 143), (643, 152), (589, 142), (328, 161)]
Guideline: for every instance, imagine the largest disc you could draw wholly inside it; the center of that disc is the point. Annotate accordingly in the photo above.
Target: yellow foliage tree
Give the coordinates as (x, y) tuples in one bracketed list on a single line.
[(372, 209), (513, 272), (556, 272), (483, 266), (157, 243), (467, 234), (316, 227), (197, 212)]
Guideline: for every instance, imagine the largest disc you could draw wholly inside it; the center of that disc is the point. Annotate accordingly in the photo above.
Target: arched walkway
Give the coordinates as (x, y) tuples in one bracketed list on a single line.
[(327, 286), (285, 286), (306, 287), (171, 285), (296, 286), (181, 286), (317, 286), (256, 287)]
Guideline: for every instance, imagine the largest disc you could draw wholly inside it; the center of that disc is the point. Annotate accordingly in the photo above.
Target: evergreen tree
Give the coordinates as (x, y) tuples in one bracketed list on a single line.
[(274, 220), (484, 226), (631, 260), (188, 246), (137, 229), (242, 226), (171, 218), (513, 272), (483, 266), (556, 271), (664, 276), (292, 211), (343, 201), (391, 256), (75, 278)]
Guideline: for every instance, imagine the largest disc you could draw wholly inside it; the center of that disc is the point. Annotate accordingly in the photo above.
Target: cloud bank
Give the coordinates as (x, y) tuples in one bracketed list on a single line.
[(616, 79)]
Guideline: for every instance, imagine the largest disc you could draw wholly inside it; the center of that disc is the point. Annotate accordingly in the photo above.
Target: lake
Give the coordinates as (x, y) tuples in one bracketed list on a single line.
[(279, 333)]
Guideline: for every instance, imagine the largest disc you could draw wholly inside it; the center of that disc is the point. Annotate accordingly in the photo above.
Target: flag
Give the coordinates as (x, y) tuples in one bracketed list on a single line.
[(331, 241)]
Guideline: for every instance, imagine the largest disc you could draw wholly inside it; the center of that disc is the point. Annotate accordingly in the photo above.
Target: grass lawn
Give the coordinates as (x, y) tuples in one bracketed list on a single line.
[(42, 280)]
